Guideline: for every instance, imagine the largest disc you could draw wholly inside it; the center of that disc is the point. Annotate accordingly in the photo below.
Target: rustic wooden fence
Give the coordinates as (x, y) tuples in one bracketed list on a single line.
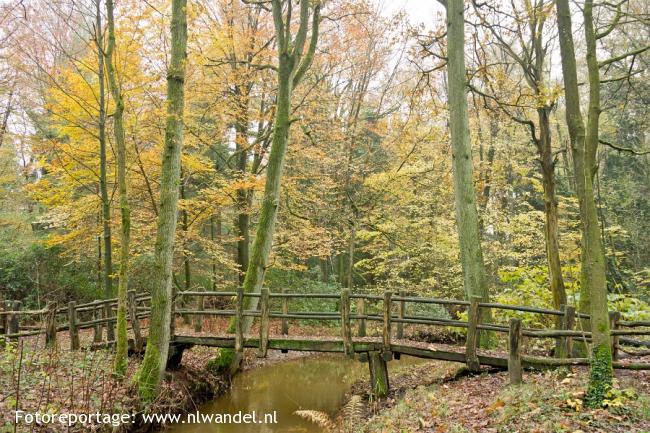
[(388, 312)]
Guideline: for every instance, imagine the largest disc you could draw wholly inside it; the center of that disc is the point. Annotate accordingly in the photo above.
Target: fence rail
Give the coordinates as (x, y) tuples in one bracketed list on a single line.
[(390, 314)]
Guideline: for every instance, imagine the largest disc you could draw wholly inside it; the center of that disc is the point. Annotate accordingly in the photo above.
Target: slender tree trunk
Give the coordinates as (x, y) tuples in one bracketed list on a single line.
[(292, 65), (551, 226), (103, 187), (466, 214), (122, 345), (215, 236), (584, 145), (155, 358), (5, 116), (244, 195), (594, 266), (351, 245)]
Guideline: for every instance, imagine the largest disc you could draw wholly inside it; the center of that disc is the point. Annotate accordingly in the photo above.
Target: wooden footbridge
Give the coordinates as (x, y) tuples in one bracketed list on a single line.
[(385, 315)]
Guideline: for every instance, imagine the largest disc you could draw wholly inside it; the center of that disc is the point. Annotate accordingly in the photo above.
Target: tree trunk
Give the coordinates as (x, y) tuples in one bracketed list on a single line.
[(122, 345), (584, 145), (215, 236), (244, 195), (593, 264), (103, 188), (551, 227), (351, 244), (155, 358), (292, 65), (466, 214)]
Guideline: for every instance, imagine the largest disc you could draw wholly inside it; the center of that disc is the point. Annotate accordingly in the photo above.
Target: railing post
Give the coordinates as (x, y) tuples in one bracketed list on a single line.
[(239, 325), (3, 324), (198, 318), (473, 319), (400, 315), (135, 322), (361, 311), (72, 326), (514, 355), (614, 318), (50, 325), (97, 315), (386, 337), (285, 311), (108, 315), (14, 319), (346, 330), (264, 323), (565, 346), (4, 306)]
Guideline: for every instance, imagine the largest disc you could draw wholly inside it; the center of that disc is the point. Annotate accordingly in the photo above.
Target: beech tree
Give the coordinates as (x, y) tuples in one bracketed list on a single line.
[(155, 357), (107, 270), (295, 55), (471, 253), (122, 347), (526, 42), (584, 146)]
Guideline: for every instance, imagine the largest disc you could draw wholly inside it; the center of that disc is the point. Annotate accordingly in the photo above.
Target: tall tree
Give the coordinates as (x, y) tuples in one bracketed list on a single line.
[(471, 254), (293, 63), (584, 144), (155, 358), (529, 33), (121, 351), (107, 271)]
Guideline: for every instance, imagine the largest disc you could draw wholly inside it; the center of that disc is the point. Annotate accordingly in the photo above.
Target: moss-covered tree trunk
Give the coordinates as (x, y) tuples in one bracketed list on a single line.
[(155, 358), (467, 221), (551, 224), (292, 65), (593, 263), (121, 351), (107, 271), (584, 144)]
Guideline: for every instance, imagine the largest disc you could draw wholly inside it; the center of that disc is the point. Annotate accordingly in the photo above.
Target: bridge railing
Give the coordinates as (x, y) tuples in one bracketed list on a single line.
[(390, 314)]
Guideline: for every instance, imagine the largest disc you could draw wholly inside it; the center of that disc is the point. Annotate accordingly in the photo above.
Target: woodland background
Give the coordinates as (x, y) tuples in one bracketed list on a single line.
[(367, 196)]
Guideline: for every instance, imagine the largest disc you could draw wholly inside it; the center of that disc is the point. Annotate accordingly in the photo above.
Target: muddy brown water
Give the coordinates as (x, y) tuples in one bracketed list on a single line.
[(318, 384)]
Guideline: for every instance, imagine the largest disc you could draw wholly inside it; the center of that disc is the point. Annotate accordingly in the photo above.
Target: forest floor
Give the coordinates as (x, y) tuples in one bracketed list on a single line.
[(38, 379), (547, 402)]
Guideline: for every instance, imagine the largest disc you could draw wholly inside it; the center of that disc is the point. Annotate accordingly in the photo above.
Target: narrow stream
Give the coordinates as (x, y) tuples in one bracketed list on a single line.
[(303, 384)]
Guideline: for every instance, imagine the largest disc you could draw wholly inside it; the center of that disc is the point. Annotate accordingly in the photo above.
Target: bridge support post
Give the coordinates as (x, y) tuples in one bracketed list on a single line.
[(50, 325), (97, 315), (565, 346), (514, 354), (13, 321), (285, 311), (346, 330), (198, 318), (386, 338), (361, 311), (614, 317), (72, 326), (239, 325), (378, 374), (108, 315), (4, 306), (264, 323), (135, 322), (400, 315), (473, 319)]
